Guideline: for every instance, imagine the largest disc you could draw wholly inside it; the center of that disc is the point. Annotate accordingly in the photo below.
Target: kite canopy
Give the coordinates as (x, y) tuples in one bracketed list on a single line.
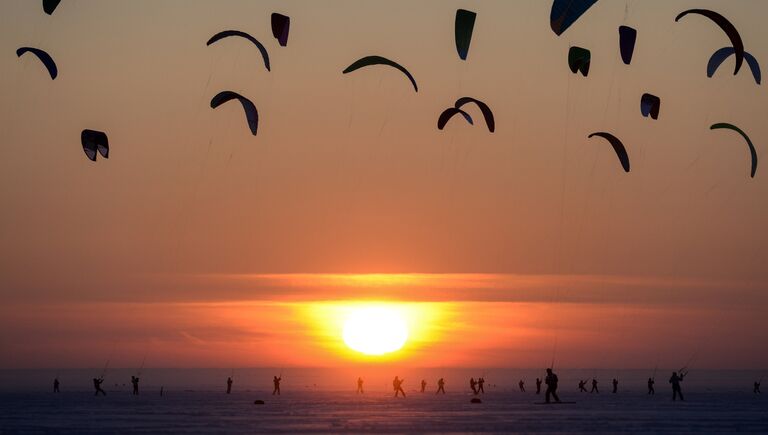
[(50, 5), (487, 113), (281, 24), (566, 12), (239, 34), (465, 23), (44, 57), (724, 53), (94, 142), (379, 60), (578, 60), (727, 27), (618, 147), (627, 38), (649, 105), (251, 114), (448, 114), (752, 150)]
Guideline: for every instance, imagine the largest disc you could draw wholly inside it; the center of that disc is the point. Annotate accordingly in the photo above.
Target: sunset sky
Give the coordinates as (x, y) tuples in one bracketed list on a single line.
[(204, 246)]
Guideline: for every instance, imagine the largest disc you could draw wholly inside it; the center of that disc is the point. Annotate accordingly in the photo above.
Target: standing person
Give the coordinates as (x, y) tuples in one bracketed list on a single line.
[(756, 390), (538, 386), (56, 385), (480, 384), (135, 382), (521, 384), (582, 386), (423, 385), (397, 384), (359, 385), (615, 385), (97, 386), (551, 381), (276, 380), (440, 386), (229, 385), (651, 390), (594, 387), (675, 381), (473, 385)]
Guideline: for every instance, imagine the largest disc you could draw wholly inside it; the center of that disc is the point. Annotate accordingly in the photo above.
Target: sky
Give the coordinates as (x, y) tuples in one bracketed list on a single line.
[(196, 237)]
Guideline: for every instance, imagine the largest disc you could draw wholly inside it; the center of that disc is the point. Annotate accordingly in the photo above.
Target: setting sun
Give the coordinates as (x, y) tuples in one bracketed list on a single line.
[(375, 330)]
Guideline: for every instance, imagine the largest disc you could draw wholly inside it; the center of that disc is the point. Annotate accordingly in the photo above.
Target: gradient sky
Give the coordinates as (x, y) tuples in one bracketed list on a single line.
[(196, 236)]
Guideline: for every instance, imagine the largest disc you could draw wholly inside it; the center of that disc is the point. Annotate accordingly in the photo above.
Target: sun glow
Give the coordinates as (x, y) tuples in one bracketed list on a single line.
[(375, 330)]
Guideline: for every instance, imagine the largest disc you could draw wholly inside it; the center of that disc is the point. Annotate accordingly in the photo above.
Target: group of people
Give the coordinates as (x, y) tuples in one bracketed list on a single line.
[(477, 386), (275, 381)]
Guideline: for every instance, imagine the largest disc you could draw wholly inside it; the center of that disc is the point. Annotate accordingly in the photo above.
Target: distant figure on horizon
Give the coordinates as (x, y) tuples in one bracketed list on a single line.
[(360, 385), (582, 386), (480, 383), (551, 381), (97, 386), (423, 385), (161, 391), (473, 385), (594, 387), (276, 380), (615, 385), (538, 386), (397, 385), (651, 390), (229, 385), (521, 384), (56, 385), (675, 381), (756, 389), (135, 382), (440, 386)]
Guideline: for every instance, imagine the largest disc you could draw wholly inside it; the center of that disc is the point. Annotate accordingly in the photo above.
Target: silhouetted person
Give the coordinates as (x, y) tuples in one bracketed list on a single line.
[(360, 385), (473, 385), (551, 381), (135, 382), (582, 386), (161, 391), (397, 385), (521, 384), (480, 384), (675, 381), (651, 390), (538, 386), (229, 384), (56, 385), (423, 385), (440, 386), (594, 387), (97, 386), (756, 389), (276, 380), (615, 385)]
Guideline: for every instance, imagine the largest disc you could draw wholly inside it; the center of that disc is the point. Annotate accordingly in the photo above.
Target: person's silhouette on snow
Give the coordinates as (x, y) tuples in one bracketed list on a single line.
[(538, 386), (480, 383), (521, 385), (440, 386), (594, 387), (360, 385), (229, 385), (651, 390), (473, 385), (276, 380), (423, 385), (551, 381), (675, 381), (615, 385), (756, 390), (56, 385), (582, 386), (97, 386), (397, 385), (135, 382)]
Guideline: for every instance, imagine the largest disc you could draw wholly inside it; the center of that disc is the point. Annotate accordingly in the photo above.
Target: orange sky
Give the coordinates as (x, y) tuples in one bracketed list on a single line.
[(196, 236)]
